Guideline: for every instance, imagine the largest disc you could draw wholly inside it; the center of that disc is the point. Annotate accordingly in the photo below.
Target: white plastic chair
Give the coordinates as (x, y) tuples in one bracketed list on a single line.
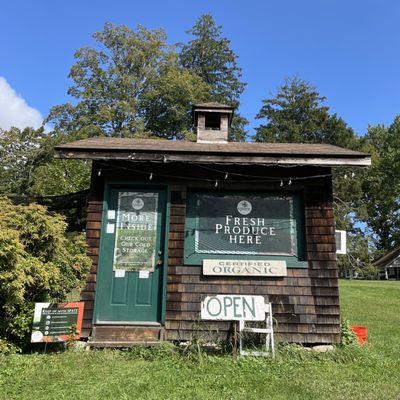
[(268, 331)]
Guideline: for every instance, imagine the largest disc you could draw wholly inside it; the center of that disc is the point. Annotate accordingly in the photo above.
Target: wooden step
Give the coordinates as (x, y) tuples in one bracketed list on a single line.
[(115, 344), (128, 334)]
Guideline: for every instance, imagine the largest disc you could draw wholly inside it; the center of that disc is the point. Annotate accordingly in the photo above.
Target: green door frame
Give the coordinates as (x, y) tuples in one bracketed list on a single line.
[(110, 184)]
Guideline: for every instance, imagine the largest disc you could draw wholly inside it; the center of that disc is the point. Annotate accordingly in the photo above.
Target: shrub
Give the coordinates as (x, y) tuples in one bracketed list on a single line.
[(347, 336), (38, 262)]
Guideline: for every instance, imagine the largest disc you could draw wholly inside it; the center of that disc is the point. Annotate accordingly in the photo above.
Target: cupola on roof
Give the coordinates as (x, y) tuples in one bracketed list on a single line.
[(212, 121)]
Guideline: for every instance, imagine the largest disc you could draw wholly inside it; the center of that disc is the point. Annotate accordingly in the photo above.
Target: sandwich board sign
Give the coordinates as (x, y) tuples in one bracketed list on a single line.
[(57, 322), (233, 307)]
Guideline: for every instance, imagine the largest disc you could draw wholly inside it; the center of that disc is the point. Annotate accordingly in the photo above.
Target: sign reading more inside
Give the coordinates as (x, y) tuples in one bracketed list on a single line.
[(136, 231), (57, 322), (239, 224), (231, 307), (245, 267)]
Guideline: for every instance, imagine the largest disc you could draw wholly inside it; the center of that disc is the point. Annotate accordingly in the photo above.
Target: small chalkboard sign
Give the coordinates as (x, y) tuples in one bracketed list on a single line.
[(57, 322)]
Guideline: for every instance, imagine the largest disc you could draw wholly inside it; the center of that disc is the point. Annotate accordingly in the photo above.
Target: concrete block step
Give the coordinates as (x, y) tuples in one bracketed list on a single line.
[(120, 344), (126, 333)]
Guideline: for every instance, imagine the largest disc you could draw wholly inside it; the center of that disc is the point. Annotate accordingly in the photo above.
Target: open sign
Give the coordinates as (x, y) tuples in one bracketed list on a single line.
[(232, 307)]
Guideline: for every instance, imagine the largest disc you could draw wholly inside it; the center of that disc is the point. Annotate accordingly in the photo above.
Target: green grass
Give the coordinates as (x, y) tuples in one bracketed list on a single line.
[(374, 304), (370, 372)]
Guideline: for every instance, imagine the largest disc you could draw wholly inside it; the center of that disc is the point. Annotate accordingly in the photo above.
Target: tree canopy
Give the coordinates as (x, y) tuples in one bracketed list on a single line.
[(21, 152), (296, 115), (381, 185), (128, 87), (210, 57), (132, 83)]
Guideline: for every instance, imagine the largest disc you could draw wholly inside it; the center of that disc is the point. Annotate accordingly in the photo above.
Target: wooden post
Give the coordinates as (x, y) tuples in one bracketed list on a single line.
[(235, 338)]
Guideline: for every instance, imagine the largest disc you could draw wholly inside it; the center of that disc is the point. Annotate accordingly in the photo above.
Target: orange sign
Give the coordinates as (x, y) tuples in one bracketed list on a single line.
[(57, 322)]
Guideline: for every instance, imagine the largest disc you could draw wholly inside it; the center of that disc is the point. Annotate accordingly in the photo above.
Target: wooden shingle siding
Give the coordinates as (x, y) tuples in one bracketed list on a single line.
[(305, 302), (93, 231)]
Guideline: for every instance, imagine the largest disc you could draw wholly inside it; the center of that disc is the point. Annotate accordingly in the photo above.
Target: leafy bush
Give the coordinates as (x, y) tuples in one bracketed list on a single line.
[(347, 336), (7, 348), (38, 262)]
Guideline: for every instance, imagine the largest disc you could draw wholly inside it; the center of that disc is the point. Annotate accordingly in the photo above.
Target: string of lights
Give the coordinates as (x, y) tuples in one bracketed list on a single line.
[(226, 176)]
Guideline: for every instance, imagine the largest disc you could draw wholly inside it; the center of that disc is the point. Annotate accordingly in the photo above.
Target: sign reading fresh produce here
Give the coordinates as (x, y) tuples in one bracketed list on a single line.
[(236, 224)]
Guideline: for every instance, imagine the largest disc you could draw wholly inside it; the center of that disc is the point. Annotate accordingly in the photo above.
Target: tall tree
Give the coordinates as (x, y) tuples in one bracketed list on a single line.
[(296, 115), (121, 91), (129, 85), (210, 57), (381, 186), (21, 151), (27, 166)]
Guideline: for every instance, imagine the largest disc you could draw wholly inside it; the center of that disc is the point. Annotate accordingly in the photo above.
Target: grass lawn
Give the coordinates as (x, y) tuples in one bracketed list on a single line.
[(371, 372)]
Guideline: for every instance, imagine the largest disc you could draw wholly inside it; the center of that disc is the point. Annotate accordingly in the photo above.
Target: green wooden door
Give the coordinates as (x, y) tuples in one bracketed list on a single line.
[(129, 284)]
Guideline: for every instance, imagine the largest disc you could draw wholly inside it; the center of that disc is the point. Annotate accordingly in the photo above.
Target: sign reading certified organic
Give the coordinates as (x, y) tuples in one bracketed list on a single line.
[(245, 267), (244, 224), (232, 307), (136, 230)]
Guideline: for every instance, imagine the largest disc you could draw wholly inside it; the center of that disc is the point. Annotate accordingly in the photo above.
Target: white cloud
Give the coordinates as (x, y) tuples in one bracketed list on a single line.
[(14, 111)]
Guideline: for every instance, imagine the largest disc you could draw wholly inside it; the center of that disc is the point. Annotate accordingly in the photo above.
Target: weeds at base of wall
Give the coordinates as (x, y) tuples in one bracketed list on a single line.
[(347, 336), (8, 348), (197, 353)]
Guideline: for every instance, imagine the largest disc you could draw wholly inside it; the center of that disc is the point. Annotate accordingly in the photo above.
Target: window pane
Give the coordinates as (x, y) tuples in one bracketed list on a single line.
[(251, 224), (136, 231)]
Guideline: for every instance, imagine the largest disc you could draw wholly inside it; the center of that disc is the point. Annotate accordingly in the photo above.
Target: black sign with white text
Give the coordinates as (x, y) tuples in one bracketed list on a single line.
[(236, 224)]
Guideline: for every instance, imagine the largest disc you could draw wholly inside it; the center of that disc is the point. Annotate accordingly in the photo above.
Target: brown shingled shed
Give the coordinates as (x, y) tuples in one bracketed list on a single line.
[(160, 213)]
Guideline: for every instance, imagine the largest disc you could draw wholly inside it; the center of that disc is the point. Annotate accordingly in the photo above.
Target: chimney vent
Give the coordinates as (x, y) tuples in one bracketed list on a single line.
[(212, 121)]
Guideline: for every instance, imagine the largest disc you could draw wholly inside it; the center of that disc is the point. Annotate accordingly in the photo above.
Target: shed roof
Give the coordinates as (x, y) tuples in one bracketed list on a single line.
[(388, 258), (103, 148), (212, 104)]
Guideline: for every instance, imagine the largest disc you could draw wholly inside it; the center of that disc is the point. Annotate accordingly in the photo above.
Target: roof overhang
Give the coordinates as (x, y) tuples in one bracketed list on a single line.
[(212, 108), (230, 153)]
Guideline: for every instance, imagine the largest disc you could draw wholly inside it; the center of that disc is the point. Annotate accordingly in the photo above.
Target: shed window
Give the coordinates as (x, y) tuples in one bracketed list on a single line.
[(213, 122), (243, 226)]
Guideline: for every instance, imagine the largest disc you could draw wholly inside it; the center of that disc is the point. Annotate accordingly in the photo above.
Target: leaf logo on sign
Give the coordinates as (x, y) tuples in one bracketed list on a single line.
[(244, 207), (137, 203)]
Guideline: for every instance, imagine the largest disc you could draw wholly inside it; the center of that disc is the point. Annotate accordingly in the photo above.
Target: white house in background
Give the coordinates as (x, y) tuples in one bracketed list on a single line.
[(389, 264)]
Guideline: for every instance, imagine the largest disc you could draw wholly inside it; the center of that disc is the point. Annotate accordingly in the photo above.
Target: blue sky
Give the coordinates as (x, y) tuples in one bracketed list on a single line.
[(350, 50)]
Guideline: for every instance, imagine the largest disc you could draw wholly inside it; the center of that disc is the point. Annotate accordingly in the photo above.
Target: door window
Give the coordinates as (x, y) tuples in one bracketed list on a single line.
[(136, 231)]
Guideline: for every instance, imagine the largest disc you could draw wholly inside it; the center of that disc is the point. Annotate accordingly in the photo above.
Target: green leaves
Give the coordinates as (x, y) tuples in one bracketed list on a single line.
[(296, 115), (168, 112), (209, 56), (130, 85), (21, 150), (381, 186), (60, 177), (37, 263)]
